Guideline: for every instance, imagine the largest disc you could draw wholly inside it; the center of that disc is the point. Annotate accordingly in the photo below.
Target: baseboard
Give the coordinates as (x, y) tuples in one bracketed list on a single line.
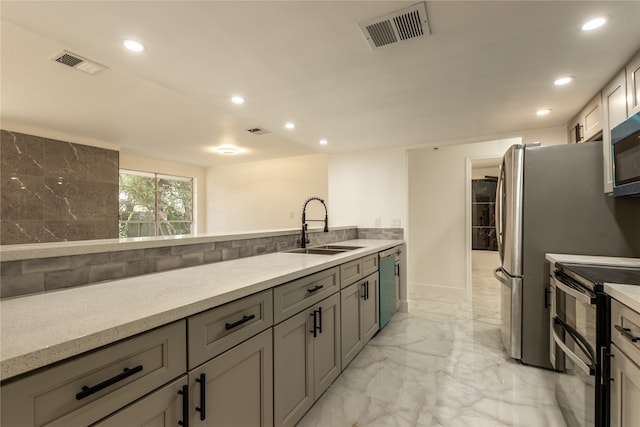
[(438, 291)]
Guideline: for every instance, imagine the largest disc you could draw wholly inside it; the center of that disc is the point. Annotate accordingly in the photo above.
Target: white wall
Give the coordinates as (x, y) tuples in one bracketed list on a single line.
[(145, 164), (369, 188), (267, 194), (439, 256)]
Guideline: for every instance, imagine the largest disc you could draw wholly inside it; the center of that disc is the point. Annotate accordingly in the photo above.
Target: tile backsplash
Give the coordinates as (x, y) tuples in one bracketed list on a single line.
[(54, 190), (39, 275)]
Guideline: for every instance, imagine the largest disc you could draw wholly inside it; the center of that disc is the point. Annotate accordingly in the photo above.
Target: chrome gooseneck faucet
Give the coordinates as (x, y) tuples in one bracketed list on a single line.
[(304, 238)]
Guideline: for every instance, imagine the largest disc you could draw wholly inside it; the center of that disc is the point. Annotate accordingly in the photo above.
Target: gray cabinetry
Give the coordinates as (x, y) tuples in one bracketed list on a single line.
[(359, 311), (86, 389), (217, 330), (162, 408), (236, 387), (625, 366), (292, 297), (306, 351)]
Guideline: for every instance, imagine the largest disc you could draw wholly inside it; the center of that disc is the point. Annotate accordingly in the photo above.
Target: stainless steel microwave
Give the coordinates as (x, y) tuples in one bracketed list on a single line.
[(625, 157)]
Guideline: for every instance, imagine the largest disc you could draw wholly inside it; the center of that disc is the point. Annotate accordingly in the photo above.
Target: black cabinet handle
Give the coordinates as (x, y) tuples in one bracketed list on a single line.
[(203, 399), (320, 319), (314, 331), (366, 286), (318, 287), (88, 391), (626, 332), (244, 319), (364, 290), (185, 406)]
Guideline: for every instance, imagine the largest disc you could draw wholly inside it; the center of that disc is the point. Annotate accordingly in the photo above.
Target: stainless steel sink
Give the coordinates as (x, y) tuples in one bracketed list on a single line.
[(316, 251), (338, 247)]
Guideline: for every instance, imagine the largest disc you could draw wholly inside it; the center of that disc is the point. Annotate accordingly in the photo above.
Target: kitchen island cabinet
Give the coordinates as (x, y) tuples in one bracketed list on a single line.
[(306, 353), (208, 329)]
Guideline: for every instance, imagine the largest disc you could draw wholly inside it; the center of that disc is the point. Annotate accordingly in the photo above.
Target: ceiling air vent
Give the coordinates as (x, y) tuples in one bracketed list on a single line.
[(258, 131), (404, 24), (79, 63)]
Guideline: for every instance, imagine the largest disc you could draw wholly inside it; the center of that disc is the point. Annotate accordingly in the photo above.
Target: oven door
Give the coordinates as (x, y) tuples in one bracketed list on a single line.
[(573, 329)]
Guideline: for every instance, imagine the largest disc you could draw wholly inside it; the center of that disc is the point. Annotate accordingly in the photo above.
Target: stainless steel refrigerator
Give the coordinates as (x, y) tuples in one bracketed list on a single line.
[(550, 199)]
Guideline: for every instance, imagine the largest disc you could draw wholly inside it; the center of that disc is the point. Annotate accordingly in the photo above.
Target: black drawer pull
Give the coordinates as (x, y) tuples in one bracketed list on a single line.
[(315, 289), (203, 399), (314, 331), (320, 319), (626, 332), (364, 290), (244, 319), (185, 406), (88, 391)]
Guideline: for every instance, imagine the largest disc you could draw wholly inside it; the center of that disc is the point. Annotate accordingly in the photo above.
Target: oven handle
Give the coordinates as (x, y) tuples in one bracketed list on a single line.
[(587, 369), (579, 296)]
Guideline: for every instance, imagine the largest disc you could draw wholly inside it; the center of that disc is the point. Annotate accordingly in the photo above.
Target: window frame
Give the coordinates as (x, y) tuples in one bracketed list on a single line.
[(158, 222)]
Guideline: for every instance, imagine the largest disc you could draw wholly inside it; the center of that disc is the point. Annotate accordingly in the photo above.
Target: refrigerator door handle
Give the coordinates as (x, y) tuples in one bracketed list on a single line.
[(497, 275), (498, 210)]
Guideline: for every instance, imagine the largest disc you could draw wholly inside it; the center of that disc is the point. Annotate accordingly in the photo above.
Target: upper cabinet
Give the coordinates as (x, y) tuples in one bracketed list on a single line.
[(588, 123), (633, 86), (614, 112)]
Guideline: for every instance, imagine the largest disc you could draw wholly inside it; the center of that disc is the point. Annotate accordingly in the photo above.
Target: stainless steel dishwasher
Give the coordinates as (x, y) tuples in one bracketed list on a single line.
[(388, 275)]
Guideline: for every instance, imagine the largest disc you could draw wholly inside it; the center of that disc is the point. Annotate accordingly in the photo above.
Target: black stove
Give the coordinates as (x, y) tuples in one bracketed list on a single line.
[(594, 276)]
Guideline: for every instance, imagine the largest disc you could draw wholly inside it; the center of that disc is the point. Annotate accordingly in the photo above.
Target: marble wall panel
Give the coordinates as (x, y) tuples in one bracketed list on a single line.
[(56, 190)]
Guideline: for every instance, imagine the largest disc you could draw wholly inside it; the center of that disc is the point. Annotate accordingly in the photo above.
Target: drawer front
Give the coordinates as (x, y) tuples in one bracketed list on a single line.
[(350, 272), (87, 388), (293, 297), (369, 264), (217, 330), (625, 328)]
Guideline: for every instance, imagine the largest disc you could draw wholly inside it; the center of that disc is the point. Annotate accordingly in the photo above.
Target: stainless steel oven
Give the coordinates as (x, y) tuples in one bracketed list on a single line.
[(573, 330), (580, 339)]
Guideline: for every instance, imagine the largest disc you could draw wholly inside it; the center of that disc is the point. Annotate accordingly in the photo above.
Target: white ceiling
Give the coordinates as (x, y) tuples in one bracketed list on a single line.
[(484, 71)]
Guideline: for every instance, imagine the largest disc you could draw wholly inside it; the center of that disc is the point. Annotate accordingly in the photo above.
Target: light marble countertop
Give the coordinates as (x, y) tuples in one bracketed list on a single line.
[(38, 330), (628, 294), (55, 249)]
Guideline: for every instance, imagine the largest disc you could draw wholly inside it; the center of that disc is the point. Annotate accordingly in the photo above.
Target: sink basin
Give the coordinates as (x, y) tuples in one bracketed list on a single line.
[(316, 251), (338, 247)]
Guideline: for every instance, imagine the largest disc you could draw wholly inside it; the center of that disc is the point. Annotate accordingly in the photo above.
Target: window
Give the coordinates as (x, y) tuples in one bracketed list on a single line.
[(154, 205)]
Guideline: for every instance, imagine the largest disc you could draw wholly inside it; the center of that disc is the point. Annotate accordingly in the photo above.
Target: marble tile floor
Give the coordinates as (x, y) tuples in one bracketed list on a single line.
[(442, 364)]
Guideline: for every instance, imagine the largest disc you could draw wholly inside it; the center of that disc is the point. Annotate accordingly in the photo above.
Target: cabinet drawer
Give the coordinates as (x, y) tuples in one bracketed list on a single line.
[(625, 326), (91, 386), (369, 264), (295, 296), (350, 272), (219, 329)]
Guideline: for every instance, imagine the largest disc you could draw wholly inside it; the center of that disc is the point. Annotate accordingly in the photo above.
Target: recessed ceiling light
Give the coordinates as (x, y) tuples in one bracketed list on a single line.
[(237, 99), (134, 46), (323, 142), (563, 81), (289, 125), (228, 150), (543, 112), (593, 24)]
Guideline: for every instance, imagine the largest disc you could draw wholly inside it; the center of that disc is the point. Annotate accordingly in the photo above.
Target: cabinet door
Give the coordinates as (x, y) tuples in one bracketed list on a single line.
[(235, 388), (576, 130), (351, 310), (614, 112), (633, 86), (625, 390), (326, 345), (592, 118), (370, 323), (162, 408), (292, 368)]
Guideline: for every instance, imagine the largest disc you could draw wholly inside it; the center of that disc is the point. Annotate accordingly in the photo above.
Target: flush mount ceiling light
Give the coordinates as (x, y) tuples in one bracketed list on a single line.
[(289, 125), (563, 81), (134, 46), (323, 142), (594, 23), (543, 112), (228, 150), (237, 99)]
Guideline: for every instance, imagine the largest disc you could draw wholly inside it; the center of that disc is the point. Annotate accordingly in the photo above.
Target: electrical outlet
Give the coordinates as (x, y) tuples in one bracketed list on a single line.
[(396, 222), (377, 222)]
